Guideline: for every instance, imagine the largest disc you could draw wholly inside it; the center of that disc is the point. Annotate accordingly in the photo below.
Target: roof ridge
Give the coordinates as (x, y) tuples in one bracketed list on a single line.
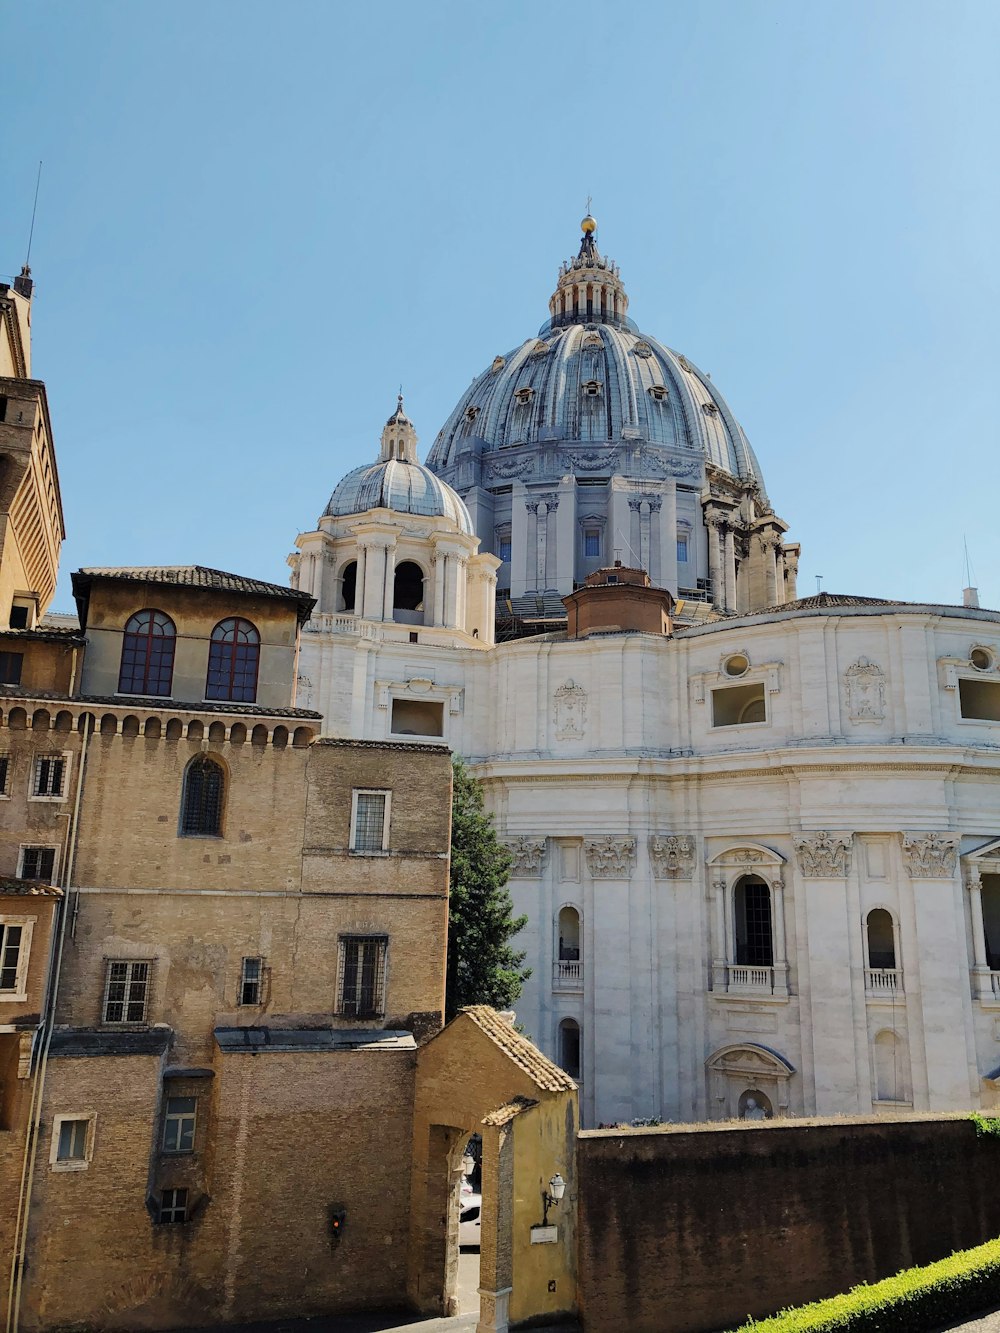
[(545, 1074)]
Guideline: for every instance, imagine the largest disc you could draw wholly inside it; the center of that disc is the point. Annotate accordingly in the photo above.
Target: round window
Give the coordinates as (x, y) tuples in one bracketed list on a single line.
[(737, 665), (981, 659)]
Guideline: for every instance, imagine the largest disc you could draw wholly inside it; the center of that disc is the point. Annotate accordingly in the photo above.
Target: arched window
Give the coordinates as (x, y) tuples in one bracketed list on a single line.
[(754, 936), (408, 587), (349, 586), (881, 939), (147, 665), (569, 934), (204, 798), (569, 1047), (991, 920), (233, 659)]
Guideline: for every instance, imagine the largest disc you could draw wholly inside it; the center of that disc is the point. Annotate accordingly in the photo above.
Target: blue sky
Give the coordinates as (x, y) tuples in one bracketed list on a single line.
[(256, 220)]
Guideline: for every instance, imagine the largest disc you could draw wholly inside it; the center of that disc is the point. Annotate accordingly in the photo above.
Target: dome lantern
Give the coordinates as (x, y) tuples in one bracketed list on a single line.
[(399, 439), (589, 288)]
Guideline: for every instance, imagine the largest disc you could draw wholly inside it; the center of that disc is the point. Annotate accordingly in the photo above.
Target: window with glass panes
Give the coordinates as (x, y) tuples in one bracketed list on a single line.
[(126, 991), (233, 659), (72, 1145), (591, 541), (369, 821), (179, 1122), (11, 943), (38, 863), (682, 549), (147, 665), (49, 775), (362, 975), (251, 976), (173, 1206), (4, 773), (754, 940)]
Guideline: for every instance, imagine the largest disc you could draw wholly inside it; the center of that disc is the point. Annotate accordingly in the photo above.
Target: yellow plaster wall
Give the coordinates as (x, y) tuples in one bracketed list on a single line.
[(544, 1143)]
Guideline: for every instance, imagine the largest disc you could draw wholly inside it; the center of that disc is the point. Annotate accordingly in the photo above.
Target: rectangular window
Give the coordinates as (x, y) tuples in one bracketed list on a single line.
[(4, 774), (126, 992), (10, 668), (591, 541), (503, 548), (179, 1124), (370, 821), (72, 1142), (682, 549), (13, 958), (38, 863), (19, 617), (251, 976), (754, 947), (417, 717), (49, 776), (737, 705), (362, 976), (980, 699), (173, 1206)]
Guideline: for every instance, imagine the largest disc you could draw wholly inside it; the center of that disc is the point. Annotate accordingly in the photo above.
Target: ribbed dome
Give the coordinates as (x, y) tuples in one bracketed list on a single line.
[(405, 487), (639, 390)]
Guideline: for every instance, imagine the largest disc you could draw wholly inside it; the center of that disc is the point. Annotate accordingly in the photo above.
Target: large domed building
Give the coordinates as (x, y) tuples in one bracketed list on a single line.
[(756, 837)]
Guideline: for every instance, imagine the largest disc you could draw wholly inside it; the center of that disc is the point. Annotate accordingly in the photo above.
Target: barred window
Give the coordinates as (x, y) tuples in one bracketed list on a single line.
[(173, 1206), (126, 991), (12, 959), (202, 802), (49, 775), (251, 976), (179, 1124), (4, 774), (362, 976), (10, 668), (233, 660), (38, 863), (368, 831), (147, 665)]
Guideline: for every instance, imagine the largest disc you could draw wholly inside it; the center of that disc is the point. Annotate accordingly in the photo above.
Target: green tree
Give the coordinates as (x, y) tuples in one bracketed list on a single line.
[(483, 968)]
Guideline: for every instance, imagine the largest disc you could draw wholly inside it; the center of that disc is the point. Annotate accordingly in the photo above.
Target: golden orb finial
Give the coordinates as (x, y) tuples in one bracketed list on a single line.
[(588, 224)]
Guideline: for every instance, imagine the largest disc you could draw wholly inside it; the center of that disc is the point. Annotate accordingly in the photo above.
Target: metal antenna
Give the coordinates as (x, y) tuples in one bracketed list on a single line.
[(819, 583), (968, 563), (34, 210)]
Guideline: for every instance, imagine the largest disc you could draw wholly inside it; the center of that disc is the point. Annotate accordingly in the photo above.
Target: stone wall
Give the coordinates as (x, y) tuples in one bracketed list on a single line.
[(689, 1230)]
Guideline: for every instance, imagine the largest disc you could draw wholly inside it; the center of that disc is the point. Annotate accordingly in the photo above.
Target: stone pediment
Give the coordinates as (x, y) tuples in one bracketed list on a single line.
[(751, 1059)]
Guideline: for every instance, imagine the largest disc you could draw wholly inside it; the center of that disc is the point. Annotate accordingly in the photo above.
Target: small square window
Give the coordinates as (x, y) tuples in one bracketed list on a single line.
[(18, 617), (591, 542), (72, 1142), (682, 549), (251, 980), (48, 778), (10, 668), (591, 388), (179, 1124), (126, 991), (362, 976), (38, 863), (173, 1206), (370, 822)]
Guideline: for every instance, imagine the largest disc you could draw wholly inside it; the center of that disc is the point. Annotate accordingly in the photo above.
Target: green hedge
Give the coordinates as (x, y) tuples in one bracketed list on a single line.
[(914, 1301)]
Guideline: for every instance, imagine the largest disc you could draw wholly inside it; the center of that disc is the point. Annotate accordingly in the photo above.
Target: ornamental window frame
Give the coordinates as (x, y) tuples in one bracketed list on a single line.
[(16, 971), (727, 869)]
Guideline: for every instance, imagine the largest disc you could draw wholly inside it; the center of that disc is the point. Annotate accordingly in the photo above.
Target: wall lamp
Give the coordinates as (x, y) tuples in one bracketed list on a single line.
[(551, 1196)]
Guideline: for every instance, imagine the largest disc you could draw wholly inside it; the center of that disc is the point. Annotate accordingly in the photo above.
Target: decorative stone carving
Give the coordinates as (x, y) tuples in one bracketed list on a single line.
[(655, 503), (930, 855), (569, 712), (672, 855), (642, 349), (824, 855), (635, 503), (590, 462), (610, 857), (550, 500), (865, 684), (529, 857), (510, 467), (670, 467)]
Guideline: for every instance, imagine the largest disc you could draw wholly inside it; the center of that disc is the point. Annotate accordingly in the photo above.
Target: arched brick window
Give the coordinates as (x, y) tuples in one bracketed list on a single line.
[(233, 659), (204, 797), (147, 665)]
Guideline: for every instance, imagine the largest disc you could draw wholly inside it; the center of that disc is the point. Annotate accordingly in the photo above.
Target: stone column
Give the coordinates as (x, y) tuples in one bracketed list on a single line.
[(655, 535), (388, 595), (359, 582), (519, 539), (450, 608), (461, 564), (532, 584), (635, 541), (547, 556), (778, 915), (713, 521), (437, 610), (645, 517), (668, 539), (374, 581), (779, 575), (981, 970), (770, 568), (791, 575), (722, 945), (730, 568)]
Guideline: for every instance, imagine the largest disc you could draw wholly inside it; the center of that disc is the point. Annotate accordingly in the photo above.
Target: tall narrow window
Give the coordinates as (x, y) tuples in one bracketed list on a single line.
[(408, 587), (682, 549), (126, 991), (569, 1047), (147, 665), (13, 958), (349, 586), (4, 774), (233, 661), (754, 941), (251, 976), (591, 542), (179, 1124), (10, 668), (204, 792), (49, 776), (362, 976), (991, 920), (881, 940), (370, 821)]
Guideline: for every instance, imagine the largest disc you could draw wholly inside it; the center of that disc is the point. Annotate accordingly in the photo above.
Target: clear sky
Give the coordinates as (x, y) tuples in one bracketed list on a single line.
[(257, 219)]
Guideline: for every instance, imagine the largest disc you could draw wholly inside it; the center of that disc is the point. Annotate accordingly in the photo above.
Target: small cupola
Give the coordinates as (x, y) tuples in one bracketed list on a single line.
[(589, 288), (399, 439)]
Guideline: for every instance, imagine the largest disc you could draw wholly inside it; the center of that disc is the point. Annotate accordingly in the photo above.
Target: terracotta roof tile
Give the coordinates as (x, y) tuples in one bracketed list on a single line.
[(539, 1068), (27, 888)]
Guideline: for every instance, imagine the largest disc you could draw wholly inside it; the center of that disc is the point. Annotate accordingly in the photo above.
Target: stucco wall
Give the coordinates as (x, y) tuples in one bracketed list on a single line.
[(689, 1231)]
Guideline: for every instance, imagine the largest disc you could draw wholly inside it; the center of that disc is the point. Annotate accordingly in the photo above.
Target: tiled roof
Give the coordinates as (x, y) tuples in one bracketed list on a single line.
[(312, 1039), (77, 1042), (190, 576), (143, 704), (28, 888), (503, 1115), (832, 599), (412, 746), (539, 1068), (44, 634)]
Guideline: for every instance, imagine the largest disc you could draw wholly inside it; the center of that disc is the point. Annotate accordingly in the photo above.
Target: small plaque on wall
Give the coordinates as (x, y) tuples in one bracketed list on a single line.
[(544, 1235)]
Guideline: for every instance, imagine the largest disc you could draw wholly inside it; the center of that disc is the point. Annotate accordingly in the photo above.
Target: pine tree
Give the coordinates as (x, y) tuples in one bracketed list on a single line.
[(483, 968)]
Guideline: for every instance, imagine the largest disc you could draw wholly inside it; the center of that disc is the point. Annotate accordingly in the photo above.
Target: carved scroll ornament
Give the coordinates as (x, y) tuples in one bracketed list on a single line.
[(930, 855), (824, 855), (529, 857)]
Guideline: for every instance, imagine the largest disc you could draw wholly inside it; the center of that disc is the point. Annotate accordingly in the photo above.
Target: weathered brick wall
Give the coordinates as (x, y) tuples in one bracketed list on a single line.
[(691, 1230)]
